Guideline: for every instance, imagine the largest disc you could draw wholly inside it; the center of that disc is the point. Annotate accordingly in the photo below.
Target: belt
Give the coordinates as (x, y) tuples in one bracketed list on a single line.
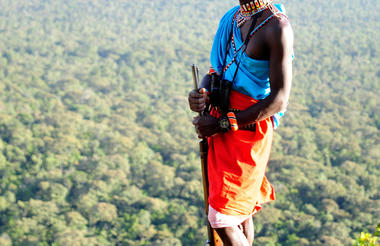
[(249, 127)]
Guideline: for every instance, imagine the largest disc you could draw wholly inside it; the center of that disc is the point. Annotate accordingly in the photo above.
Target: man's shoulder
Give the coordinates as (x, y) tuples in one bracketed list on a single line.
[(279, 29)]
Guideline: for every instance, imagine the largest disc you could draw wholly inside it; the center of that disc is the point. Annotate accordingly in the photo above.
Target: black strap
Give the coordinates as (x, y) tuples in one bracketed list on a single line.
[(246, 41)]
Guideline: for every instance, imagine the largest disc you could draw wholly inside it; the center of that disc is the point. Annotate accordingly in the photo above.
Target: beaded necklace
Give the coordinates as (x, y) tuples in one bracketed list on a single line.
[(248, 10)]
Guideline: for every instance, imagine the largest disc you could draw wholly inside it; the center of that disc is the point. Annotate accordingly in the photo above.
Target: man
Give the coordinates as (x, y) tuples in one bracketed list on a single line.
[(253, 50)]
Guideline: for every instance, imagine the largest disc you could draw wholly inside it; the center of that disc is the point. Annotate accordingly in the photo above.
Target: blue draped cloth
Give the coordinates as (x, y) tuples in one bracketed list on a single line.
[(252, 79)]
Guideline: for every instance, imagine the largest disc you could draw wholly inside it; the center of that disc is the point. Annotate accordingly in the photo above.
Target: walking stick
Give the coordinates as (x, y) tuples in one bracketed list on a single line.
[(213, 237)]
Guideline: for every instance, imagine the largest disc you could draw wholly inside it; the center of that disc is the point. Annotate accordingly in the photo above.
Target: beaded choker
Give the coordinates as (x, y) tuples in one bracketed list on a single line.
[(248, 10)]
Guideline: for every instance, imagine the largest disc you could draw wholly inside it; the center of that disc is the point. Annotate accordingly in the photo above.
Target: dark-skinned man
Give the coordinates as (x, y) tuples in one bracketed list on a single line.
[(253, 52)]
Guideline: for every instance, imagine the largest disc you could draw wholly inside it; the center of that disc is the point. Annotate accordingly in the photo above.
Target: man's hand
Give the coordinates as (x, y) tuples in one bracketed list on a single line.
[(198, 100), (206, 125)]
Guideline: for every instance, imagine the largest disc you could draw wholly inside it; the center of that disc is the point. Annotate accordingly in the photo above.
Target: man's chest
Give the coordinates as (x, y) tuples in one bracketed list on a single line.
[(257, 47)]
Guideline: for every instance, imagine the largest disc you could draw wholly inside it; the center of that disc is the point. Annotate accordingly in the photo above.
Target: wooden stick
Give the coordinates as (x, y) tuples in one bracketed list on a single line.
[(213, 237)]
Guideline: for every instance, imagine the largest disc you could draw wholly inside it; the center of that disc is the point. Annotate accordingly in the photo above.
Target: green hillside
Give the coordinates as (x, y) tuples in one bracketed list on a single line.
[(96, 141)]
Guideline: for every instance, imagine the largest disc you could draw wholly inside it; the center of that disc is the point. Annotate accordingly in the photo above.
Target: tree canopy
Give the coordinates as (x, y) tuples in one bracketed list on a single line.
[(97, 145)]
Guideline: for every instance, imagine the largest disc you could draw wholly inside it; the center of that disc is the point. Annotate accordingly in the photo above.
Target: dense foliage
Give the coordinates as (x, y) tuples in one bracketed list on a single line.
[(366, 239), (96, 144)]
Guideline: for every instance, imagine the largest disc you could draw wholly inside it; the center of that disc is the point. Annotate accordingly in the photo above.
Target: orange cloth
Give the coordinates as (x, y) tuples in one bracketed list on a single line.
[(237, 163)]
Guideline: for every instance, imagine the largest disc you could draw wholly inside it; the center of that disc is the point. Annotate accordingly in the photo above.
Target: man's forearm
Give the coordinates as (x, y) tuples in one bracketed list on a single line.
[(274, 103)]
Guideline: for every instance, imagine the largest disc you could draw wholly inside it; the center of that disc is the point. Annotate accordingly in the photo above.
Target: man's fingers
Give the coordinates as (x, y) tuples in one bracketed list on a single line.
[(197, 104), (204, 93), (198, 100), (198, 108), (195, 94)]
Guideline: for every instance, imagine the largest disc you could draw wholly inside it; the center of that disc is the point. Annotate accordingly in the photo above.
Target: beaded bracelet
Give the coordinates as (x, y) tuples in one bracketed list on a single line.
[(233, 122)]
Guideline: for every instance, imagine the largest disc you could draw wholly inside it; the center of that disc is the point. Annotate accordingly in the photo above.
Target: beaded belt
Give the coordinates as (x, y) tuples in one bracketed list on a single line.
[(249, 127)]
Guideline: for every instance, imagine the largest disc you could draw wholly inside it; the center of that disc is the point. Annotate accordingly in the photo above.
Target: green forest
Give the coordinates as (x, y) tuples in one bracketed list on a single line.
[(97, 145)]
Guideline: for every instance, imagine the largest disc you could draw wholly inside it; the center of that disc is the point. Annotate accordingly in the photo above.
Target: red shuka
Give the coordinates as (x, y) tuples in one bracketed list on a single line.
[(237, 163)]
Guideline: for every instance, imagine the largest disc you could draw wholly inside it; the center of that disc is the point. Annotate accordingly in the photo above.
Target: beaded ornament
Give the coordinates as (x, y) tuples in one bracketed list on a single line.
[(248, 10)]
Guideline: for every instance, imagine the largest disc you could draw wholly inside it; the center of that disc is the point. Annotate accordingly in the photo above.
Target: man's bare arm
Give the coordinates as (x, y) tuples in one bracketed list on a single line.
[(280, 42)]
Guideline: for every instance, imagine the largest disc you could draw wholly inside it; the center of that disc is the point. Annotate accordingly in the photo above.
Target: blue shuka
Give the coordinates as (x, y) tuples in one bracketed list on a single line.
[(252, 79)]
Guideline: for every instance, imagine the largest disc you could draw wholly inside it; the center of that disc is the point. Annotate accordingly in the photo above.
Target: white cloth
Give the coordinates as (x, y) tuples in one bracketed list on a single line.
[(219, 220)]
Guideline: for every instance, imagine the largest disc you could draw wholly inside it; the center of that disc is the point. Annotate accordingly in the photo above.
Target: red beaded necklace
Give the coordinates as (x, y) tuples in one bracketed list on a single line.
[(248, 10)]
